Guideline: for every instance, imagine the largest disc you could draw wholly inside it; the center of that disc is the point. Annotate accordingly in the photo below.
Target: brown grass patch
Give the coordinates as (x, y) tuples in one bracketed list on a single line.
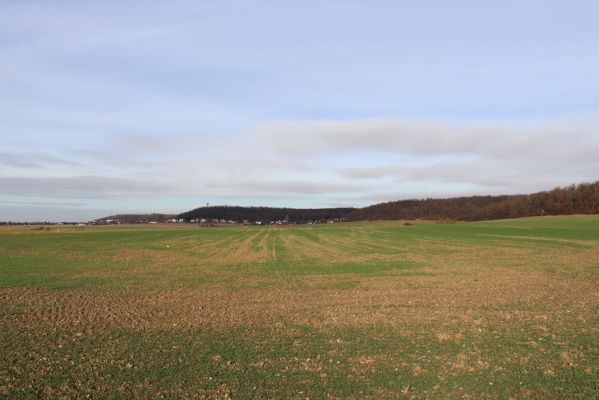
[(394, 300)]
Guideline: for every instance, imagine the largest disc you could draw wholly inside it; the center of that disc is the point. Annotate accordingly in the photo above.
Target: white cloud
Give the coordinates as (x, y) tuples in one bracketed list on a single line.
[(90, 187), (323, 162), (569, 136), (31, 160)]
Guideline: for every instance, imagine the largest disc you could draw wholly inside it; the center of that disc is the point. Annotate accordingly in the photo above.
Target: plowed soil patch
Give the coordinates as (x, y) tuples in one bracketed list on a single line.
[(394, 300)]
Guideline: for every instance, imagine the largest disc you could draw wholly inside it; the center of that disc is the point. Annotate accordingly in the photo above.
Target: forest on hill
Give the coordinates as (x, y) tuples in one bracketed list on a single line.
[(575, 199), (135, 218), (267, 214)]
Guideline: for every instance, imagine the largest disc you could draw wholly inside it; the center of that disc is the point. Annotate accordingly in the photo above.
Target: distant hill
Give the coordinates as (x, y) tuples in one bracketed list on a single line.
[(575, 199), (267, 214), (135, 218)]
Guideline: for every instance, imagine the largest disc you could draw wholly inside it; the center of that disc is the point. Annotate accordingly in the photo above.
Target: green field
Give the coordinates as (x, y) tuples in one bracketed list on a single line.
[(498, 309)]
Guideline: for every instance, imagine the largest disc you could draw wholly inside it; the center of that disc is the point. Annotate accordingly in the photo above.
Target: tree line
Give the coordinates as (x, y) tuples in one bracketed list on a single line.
[(267, 214), (575, 199), (136, 218)]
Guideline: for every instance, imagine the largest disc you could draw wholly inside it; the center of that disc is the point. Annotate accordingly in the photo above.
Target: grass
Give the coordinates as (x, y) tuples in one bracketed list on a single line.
[(497, 309)]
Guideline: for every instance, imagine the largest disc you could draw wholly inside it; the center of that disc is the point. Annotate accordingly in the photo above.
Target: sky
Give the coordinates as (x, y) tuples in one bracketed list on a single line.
[(136, 106)]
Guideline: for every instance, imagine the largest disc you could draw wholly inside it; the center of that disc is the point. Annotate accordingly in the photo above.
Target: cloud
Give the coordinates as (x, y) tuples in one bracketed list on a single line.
[(569, 136), (286, 187), (318, 163), (81, 187), (26, 213), (135, 101), (31, 160), (520, 156), (57, 204)]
